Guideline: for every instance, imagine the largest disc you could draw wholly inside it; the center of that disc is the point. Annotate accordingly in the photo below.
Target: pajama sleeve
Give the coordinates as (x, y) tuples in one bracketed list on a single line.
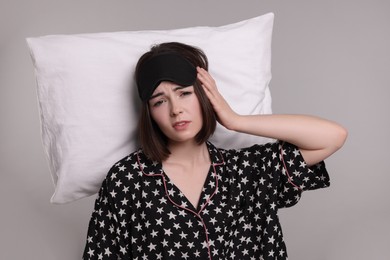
[(295, 176), (101, 238)]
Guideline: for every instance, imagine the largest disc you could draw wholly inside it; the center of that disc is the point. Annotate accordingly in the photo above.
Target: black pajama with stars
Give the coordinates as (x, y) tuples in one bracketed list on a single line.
[(141, 214)]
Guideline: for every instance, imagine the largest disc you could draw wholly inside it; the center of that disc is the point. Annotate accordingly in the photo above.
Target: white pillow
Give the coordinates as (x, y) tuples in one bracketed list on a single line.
[(88, 99)]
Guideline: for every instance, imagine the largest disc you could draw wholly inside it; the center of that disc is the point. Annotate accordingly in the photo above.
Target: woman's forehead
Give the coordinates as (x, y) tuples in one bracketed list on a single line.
[(169, 86)]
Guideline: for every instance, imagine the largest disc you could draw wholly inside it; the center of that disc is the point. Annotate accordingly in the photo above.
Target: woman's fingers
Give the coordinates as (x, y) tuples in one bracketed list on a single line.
[(208, 83), (221, 107)]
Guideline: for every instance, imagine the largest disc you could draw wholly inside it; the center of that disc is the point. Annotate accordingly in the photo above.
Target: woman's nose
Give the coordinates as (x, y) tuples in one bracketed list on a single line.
[(176, 108)]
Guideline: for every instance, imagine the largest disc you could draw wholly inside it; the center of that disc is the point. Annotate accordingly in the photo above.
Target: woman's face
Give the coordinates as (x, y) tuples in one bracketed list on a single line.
[(177, 111)]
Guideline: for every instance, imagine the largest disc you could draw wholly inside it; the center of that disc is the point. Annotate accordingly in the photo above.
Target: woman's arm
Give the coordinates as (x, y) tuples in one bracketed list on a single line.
[(316, 138)]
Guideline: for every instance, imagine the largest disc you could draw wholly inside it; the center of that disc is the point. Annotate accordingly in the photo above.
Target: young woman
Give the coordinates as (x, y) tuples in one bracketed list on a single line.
[(180, 197)]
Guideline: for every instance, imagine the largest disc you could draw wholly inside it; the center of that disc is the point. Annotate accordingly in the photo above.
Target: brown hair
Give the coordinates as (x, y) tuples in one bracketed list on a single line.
[(152, 139)]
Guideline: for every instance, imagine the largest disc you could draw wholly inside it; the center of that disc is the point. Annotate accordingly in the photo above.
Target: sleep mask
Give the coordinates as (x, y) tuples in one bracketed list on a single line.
[(164, 67)]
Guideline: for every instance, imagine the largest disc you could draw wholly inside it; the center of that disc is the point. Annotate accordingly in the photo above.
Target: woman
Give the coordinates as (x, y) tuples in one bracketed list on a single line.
[(178, 196)]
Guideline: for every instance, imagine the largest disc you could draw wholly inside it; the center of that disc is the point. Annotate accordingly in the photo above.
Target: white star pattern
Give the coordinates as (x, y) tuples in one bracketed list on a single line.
[(142, 215)]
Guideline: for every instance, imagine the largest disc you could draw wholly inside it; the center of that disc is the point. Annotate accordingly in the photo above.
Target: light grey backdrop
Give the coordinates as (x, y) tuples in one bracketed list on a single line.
[(330, 58)]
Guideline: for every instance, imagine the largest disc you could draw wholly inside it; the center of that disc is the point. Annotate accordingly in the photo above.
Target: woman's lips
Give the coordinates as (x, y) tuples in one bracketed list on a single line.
[(181, 125)]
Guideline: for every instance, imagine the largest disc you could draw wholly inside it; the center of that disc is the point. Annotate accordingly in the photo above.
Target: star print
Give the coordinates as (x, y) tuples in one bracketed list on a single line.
[(271, 240), (90, 252), (302, 164), (176, 226), (124, 201), (177, 245), (123, 250), (142, 215), (167, 232), (218, 210), (154, 233), (184, 255), (107, 252), (149, 204), (189, 223), (171, 192), (165, 243), (113, 194), (171, 252), (113, 175), (152, 247), (159, 221), (183, 235)]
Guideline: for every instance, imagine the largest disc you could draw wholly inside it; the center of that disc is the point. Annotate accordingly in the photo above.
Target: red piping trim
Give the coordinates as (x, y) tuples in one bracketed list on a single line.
[(142, 169), (285, 168), (179, 206)]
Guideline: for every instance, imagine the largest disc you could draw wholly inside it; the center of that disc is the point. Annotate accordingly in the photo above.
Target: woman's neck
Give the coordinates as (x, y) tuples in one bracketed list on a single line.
[(189, 153)]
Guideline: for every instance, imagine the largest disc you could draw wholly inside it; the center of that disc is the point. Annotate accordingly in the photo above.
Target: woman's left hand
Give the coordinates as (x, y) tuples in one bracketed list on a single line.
[(225, 114)]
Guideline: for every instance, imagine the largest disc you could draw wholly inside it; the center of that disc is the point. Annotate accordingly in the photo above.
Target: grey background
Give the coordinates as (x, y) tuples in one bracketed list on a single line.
[(330, 59)]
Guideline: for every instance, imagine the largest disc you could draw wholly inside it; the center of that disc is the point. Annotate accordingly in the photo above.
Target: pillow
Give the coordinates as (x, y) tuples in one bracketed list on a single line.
[(88, 100)]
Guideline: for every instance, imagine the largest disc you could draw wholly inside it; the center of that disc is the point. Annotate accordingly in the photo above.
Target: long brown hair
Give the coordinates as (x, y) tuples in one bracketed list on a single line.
[(152, 139)]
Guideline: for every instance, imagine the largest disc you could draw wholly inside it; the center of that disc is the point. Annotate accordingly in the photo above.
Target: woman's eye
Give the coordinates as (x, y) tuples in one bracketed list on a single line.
[(158, 103), (186, 93)]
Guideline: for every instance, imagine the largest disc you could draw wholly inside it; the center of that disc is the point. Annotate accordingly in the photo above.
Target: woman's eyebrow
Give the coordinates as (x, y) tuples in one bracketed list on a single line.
[(156, 95), (162, 93), (180, 87)]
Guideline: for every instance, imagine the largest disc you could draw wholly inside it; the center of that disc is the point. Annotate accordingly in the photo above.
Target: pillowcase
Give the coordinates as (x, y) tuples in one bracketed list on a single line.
[(88, 101)]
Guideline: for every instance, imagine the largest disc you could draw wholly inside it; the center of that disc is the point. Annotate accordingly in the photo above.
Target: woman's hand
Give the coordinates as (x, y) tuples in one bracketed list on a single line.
[(317, 138), (225, 114)]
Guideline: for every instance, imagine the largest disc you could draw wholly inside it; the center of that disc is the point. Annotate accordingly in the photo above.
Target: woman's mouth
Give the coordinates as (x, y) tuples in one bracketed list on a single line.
[(181, 125)]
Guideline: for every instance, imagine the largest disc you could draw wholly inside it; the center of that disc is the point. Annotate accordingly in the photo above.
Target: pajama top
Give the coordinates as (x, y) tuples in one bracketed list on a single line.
[(140, 214)]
